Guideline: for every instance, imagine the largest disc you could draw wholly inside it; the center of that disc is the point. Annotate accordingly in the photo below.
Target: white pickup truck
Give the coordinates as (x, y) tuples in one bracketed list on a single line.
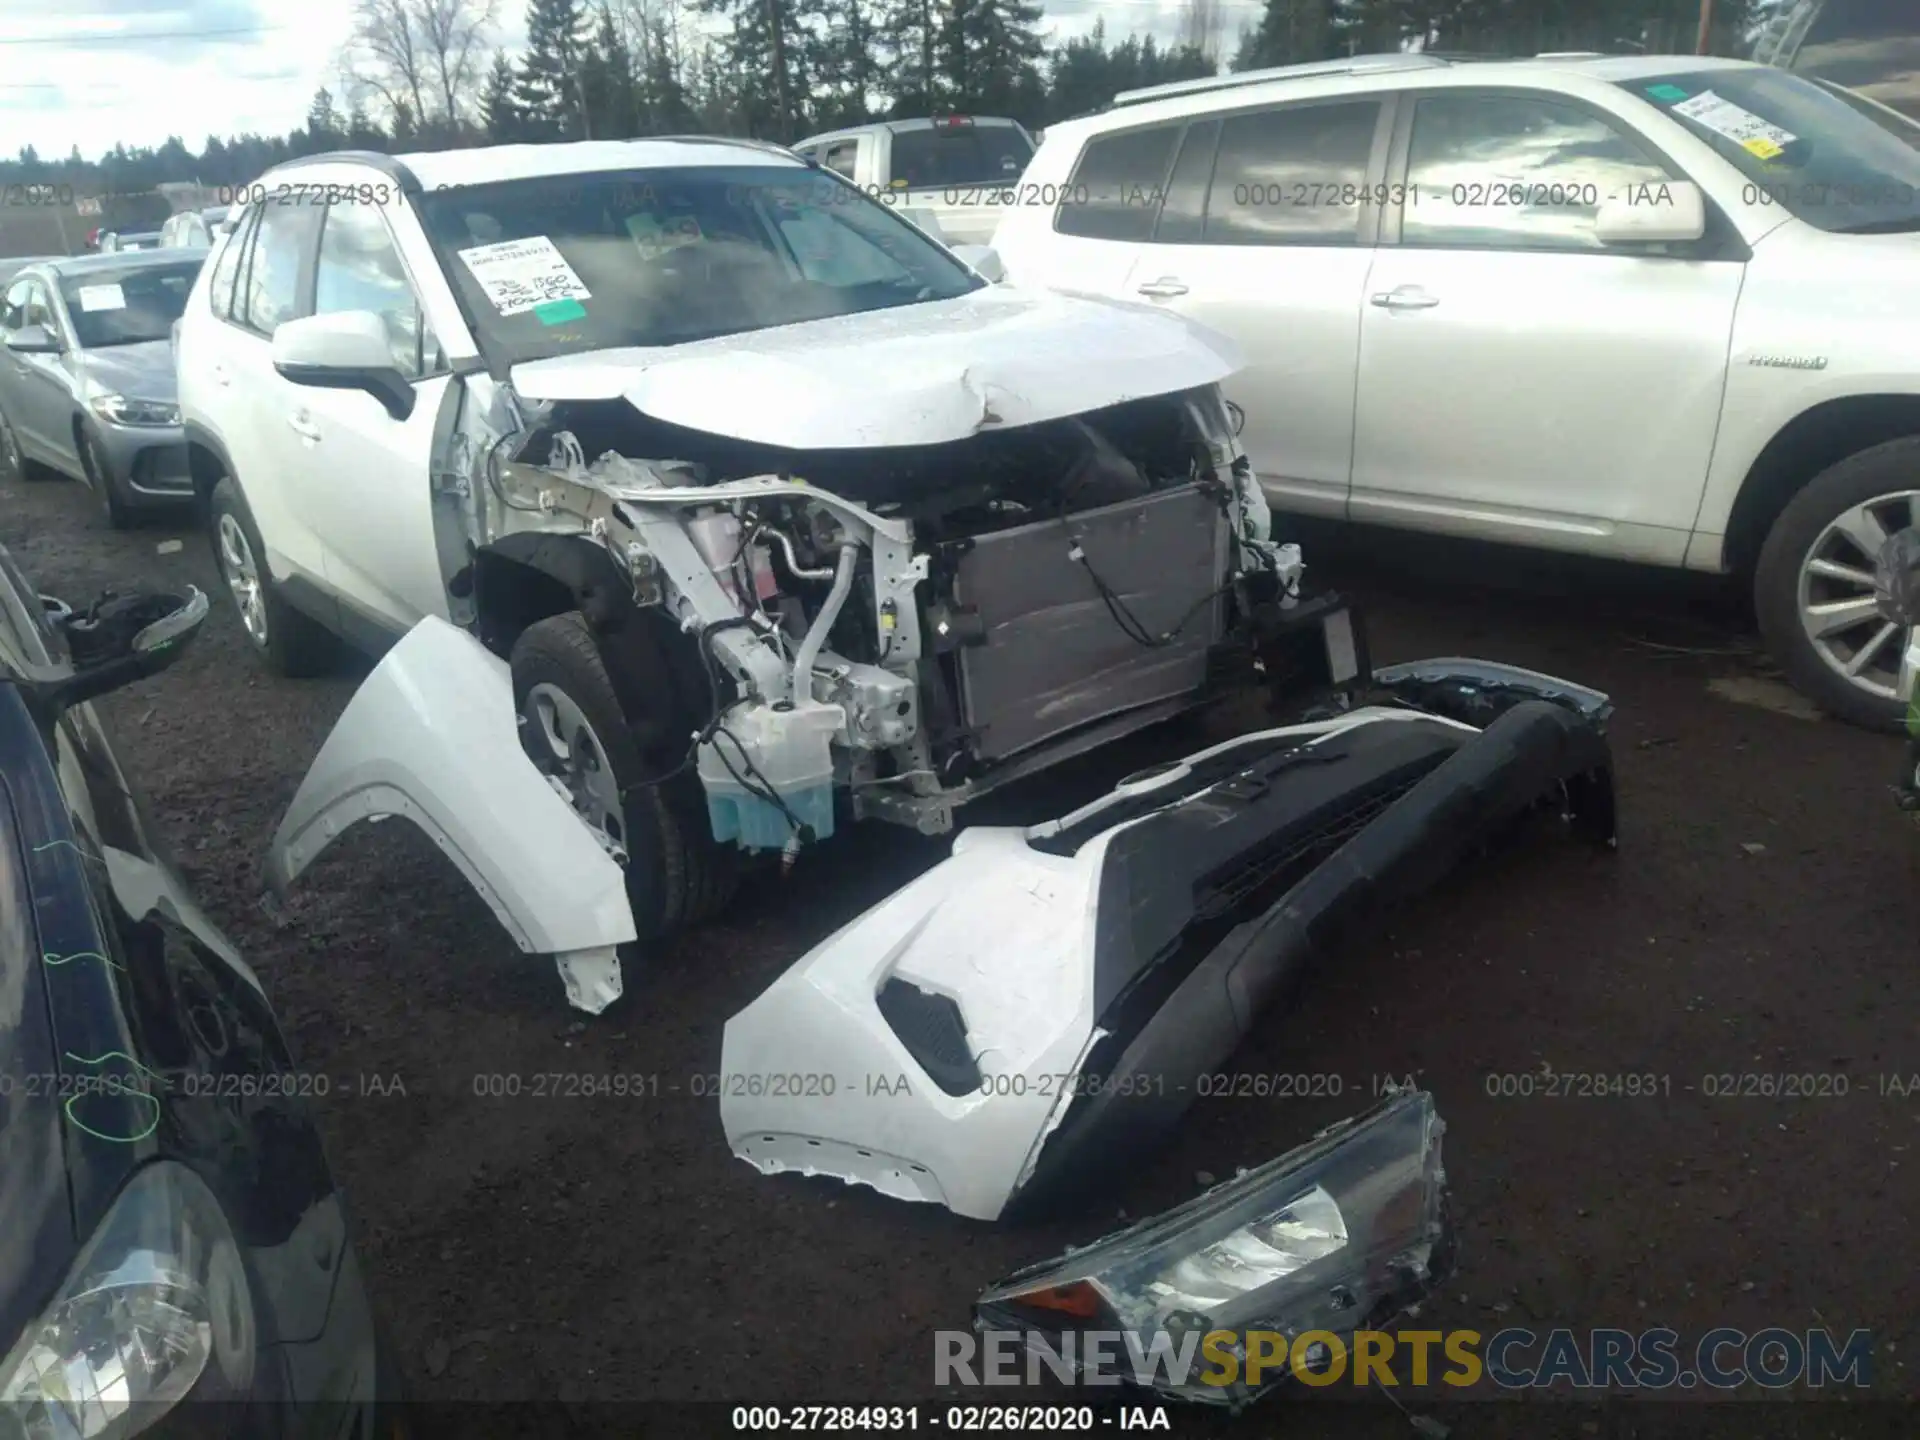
[(954, 175)]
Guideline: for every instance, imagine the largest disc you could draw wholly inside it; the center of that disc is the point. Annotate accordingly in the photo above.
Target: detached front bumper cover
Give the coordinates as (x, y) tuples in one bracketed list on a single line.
[(1023, 1021), (1218, 1299)]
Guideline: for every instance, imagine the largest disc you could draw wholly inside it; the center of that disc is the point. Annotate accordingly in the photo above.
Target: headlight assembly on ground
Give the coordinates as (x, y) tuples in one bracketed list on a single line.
[(1343, 1233)]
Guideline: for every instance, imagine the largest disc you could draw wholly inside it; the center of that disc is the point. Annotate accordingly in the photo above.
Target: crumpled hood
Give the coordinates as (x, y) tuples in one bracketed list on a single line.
[(140, 372), (998, 357)]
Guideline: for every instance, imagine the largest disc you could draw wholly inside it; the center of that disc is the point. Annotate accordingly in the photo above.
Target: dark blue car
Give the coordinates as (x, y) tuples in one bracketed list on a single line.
[(174, 1252)]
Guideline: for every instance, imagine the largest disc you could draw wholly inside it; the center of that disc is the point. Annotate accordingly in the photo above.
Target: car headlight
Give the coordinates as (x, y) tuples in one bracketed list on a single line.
[(122, 410), (157, 1300), (1337, 1236)]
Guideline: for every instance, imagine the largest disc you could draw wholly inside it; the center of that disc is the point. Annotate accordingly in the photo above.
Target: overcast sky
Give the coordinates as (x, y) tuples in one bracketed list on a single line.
[(94, 72)]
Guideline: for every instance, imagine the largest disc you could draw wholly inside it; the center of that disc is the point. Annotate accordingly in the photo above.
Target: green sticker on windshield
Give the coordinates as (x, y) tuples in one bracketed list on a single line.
[(1669, 93), (559, 312)]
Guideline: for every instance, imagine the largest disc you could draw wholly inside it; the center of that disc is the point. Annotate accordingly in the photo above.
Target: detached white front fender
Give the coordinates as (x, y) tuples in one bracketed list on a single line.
[(431, 736)]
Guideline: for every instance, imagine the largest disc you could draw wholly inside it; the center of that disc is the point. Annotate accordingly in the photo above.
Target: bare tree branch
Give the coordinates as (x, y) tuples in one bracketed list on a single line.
[(427, 55)]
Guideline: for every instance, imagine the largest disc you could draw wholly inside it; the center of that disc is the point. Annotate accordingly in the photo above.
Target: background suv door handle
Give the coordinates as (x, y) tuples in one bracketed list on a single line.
[(1165, 288), (303, 427), (1405, 297)]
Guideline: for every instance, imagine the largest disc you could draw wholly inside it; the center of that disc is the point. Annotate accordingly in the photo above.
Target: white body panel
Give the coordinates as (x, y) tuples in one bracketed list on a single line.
[(1024, 982), (1614, 404), (430, 736), (1586, 426), (916, 375)]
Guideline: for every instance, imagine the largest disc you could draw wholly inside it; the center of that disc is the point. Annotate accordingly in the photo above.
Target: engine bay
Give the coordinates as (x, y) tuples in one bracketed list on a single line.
[(913, 624)]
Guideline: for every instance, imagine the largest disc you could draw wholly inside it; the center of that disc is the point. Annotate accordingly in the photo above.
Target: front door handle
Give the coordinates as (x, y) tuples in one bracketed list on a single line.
[(302, 426), (1165, 288), (1405, 297)]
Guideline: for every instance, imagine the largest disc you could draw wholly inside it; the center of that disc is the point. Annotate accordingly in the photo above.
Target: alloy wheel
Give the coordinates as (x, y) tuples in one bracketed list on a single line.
[(242, 574), (564, 745), (1838, 611)]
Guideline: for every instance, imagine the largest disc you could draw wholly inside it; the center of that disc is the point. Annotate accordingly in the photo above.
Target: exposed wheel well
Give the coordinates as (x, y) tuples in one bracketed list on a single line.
[(1811, 442), (510, 594), (657, 672), (206, 471)]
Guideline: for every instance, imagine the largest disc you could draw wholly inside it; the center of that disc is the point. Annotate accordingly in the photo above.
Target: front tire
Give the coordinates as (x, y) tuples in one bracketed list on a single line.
[(98, 470), (1813, 587), (14, 464), (573, 728), (290, 642)]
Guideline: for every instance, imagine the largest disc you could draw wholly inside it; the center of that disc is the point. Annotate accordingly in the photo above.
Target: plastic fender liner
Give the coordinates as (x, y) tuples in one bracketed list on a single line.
[(1533, 749), (431, 735)]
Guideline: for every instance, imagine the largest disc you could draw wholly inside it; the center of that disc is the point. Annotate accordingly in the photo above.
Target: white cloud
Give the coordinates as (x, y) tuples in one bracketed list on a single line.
[(81, 73)]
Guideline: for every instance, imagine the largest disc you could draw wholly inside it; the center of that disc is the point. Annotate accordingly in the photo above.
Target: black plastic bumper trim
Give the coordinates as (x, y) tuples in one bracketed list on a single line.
[(1533, 749)]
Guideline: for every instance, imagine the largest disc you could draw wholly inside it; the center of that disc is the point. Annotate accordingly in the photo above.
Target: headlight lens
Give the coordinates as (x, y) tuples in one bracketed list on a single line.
[(122, 410), (157, 1300), (1338, 1235)]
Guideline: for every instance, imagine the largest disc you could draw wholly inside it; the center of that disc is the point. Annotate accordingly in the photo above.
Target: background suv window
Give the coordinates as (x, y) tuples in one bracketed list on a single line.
[(840, 158), (359, 269), (13, 314), (270, 293), (1291, 176), (1515, 171), (1115, 190), (227, 268)]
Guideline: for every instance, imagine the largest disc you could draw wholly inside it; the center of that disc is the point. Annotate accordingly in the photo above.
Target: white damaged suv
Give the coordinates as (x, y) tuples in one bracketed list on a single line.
[(703, 505), (712, 506)]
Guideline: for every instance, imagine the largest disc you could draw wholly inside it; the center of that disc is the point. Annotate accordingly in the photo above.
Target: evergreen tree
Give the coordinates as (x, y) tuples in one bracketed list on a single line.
[(909, 35), (763, 57), (609, 86), (498, 111), (547, 90), (324, 130), (991, 52), (666, 105)]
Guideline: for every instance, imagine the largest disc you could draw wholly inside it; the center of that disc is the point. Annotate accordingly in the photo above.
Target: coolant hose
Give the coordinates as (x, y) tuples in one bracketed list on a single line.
[(810, 647)]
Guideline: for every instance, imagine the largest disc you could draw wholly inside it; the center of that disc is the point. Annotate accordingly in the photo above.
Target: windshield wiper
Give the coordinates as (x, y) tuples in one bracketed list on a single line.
[(1906, 226)]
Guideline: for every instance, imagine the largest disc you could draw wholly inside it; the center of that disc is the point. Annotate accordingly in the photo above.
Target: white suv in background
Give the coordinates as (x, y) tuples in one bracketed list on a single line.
[(1658, 308)]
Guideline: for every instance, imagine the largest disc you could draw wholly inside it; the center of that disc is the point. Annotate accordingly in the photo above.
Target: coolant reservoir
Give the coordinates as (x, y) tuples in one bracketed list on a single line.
[(792, 752)]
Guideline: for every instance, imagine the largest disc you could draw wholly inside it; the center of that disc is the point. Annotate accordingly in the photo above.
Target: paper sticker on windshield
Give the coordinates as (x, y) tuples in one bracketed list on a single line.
[(519, 275), (1743, 127), (102, 297), (654, 235), (1668, 93)]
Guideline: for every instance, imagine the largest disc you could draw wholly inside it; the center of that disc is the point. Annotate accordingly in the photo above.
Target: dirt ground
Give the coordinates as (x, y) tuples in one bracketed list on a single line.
[(1760, 917)]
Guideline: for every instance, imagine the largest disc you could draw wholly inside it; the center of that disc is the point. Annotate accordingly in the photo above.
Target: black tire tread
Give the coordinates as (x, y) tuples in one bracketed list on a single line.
[(298, 646), (694, 876)]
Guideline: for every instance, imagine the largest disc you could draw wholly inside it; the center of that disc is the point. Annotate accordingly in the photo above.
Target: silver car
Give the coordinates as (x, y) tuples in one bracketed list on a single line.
[(86, 377)]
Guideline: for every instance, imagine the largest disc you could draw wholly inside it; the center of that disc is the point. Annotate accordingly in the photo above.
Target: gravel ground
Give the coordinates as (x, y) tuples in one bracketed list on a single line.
[(1760, 917)]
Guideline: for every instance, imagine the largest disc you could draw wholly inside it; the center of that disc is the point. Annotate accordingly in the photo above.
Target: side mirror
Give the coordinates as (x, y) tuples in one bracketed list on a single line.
[(984, 260), (33, 340), (1672, 212), (348, 350), (117, 640)]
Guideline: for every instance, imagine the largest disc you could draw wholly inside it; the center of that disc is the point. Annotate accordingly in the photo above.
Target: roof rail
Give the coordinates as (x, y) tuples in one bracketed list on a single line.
[(1353, 65)]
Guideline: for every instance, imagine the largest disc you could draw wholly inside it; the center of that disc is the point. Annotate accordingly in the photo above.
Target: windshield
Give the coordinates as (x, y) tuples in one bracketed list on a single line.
[(1800, 147), (571, 263), (127, 307), (948, 155)]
